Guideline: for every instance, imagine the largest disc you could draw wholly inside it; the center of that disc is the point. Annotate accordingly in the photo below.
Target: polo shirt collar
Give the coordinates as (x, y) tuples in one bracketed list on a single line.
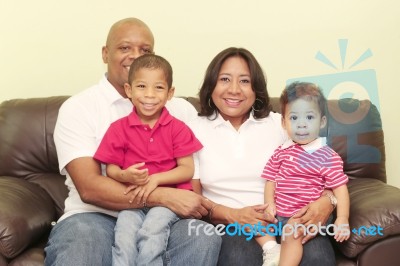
[(110, 93), (164, 119), (310, 147), (221, 121)]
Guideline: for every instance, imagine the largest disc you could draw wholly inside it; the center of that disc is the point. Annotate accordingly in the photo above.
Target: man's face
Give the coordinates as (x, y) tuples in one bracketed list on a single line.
[(125, 43)]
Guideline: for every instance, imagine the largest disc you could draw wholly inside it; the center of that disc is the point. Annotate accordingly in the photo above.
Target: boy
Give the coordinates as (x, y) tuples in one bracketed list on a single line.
[(300, 170), (147, 149)]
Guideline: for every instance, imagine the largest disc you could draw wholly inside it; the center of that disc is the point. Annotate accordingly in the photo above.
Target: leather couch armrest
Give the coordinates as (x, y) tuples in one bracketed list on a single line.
[(26, 212), (373, 204)]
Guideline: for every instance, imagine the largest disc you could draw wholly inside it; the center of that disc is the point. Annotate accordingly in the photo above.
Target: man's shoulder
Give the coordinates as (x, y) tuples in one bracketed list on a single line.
[(178, 102), (83, 97), (181, 109)]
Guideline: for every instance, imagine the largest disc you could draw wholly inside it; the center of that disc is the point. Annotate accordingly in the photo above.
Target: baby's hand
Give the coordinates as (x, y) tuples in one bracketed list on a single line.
[(136, 176), (342, 229), (271, 209), (270, 213)]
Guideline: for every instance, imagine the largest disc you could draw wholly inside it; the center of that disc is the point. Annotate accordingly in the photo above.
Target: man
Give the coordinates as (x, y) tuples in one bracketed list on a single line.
[(84, 235)]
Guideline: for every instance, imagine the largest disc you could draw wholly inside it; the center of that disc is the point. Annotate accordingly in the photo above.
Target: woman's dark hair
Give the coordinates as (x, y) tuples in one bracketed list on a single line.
[(261, 106), (304, 90)]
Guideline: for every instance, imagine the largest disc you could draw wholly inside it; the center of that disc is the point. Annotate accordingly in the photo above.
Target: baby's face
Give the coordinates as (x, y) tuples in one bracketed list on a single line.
[(303, 120)]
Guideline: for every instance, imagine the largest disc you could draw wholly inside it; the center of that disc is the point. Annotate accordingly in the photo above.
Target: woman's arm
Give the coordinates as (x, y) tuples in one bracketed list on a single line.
[(220, 214)]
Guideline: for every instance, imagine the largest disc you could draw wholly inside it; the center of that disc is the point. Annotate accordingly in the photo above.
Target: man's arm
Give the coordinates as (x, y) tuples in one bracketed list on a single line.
[(183, 172), (105, 192)]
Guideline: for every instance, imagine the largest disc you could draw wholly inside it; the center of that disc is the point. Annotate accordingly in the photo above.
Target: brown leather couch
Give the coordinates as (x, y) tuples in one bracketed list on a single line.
[(32, 192)]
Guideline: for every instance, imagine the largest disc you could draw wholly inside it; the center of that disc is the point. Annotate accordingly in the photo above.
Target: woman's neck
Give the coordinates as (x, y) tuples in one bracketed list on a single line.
[(236, 122)]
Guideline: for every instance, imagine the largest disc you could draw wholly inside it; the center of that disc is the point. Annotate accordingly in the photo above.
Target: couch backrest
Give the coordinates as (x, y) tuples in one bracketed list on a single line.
[(27, 147)]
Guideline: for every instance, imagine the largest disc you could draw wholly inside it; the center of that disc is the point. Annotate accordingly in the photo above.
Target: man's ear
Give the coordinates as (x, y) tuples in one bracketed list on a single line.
[(128, 90), (323, 122), (104, 54), (171, 92)]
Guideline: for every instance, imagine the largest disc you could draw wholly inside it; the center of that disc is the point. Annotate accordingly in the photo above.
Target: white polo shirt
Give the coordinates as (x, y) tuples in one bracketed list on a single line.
[(81, 124), (231, 162)]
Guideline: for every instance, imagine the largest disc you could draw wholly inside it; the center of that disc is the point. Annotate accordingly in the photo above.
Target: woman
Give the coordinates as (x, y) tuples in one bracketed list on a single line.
[(239, 134)]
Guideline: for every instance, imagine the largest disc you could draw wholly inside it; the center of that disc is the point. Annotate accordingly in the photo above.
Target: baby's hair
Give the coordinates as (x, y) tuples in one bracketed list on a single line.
[(151, 61), (304, 90)]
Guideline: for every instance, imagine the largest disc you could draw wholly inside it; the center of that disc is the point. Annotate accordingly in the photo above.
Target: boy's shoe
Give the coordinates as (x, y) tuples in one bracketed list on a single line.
[(271, 256)]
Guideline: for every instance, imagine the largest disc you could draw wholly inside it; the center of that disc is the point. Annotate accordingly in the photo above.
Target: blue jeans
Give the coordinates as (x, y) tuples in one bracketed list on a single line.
[(237, 251), (141, 236), (87, 239)]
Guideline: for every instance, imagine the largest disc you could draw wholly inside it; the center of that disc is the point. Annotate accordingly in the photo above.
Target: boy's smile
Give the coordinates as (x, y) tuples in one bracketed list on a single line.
[(149, 92)]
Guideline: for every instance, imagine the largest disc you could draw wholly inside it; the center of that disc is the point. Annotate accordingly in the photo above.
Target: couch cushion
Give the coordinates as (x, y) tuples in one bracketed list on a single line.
[(26, 212), (372, 204)]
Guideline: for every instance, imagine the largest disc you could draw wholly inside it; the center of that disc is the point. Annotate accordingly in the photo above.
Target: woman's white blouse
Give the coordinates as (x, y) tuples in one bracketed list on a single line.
[(230, 164)]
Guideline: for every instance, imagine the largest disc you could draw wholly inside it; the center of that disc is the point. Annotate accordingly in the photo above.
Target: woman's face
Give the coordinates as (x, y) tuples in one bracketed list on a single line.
[(233, 94)]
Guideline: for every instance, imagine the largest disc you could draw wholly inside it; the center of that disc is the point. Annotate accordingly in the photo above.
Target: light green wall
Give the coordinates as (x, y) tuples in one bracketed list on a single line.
[(54, 47)]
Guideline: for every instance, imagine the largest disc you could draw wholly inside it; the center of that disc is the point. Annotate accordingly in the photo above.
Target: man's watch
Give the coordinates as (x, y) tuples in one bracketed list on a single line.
[(332, 199)]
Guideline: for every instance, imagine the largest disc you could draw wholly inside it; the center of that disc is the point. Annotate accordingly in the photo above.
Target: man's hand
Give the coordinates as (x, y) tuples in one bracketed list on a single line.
[(253, 215), (141, 193), (185, 203), (314, 213)]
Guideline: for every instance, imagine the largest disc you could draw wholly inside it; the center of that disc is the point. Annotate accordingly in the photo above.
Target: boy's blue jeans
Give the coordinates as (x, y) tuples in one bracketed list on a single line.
[(87, 239), (141, 236)]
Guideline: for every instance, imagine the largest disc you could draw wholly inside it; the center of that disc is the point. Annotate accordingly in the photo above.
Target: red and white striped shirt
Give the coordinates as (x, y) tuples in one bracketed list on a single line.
[(301, 173)]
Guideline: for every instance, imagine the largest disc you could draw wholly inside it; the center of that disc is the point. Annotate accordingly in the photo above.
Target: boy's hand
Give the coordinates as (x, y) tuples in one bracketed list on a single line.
[(342, 229), (141, 193), (145, 190), (136, 176)]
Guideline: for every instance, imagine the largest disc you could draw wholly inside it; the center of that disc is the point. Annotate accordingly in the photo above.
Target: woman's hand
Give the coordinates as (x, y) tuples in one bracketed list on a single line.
[(316, 213), (252, 215)]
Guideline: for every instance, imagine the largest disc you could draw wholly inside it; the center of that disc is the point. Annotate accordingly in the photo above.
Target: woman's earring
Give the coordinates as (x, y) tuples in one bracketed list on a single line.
[(209, 102), (255, 102)]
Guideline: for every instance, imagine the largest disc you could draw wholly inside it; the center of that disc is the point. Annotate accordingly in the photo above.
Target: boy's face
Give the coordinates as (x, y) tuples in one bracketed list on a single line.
[(303, 120), (149, 92)]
